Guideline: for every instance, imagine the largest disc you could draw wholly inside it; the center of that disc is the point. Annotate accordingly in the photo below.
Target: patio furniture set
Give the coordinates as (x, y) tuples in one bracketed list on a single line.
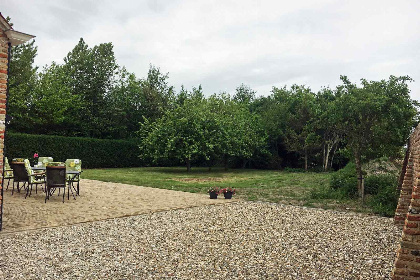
[(47, 173)]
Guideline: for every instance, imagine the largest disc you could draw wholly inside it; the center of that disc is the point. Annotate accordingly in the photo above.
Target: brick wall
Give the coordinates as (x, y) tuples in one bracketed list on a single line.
[(407, 215), (3, 93)]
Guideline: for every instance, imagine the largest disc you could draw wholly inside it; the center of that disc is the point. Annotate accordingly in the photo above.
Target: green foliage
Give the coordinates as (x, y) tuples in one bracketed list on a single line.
[(325, 192), (89, 95), (210, 128), (244, 94), (90, 73), (22, 82), (375, 183), (294, 170), (376, 118), (345, 180), (95, 153), (385, 195)]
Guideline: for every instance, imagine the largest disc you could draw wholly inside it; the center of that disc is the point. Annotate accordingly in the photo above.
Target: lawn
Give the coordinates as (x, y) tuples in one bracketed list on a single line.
[(263, 185)]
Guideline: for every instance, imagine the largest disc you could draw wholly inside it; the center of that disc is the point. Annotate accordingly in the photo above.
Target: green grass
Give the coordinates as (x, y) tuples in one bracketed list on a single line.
[(297, 188)]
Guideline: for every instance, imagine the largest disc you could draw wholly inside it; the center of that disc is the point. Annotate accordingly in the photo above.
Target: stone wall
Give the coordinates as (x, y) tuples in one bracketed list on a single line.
[(407, 214), (4, 47)]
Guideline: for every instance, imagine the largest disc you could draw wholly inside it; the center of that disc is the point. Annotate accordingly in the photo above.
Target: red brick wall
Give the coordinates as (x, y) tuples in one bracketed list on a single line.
[(407, 215)]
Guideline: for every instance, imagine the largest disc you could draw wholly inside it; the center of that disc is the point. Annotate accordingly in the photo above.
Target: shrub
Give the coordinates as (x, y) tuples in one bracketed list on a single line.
[(375, 182), (345, 180), (385, 201), (325, 192), (94, 153)]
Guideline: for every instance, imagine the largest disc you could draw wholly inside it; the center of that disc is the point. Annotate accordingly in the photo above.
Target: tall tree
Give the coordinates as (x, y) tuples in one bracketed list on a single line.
[(326, 126), (244, 94), (91, 74), (22, 81), (376, 118), (297, 114), (157, 95), (55, 110)]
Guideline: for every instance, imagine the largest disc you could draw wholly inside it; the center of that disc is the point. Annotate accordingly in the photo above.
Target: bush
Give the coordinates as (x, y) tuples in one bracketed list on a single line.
[(374, 183), (325, 192), (94, 153), (385, 201), (384, 198), (345, 181)]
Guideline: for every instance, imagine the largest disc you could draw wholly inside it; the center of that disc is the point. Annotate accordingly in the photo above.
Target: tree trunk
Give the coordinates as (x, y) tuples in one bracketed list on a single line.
[(225, 162), (244, 163), (306, 159), (358, 161), (327, 156), (188, 161), (332, 156), (324, 157)]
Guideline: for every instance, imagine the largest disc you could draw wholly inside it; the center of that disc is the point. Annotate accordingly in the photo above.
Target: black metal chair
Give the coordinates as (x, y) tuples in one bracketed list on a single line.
[(34, 178), (56, 179), (20, 175)]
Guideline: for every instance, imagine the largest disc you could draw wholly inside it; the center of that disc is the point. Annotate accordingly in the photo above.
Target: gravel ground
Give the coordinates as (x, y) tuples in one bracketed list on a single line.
[(243, 240)]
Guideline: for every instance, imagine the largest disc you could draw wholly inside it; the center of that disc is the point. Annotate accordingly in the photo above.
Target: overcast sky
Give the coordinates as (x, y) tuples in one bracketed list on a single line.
[(221, 44)]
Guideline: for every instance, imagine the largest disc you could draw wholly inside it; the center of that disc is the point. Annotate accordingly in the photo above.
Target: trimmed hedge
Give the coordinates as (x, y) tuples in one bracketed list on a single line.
[(94, 153)]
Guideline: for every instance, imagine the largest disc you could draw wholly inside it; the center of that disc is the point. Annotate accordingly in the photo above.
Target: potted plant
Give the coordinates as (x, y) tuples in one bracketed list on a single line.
[(214, 191), (35, 159), (228, 192)]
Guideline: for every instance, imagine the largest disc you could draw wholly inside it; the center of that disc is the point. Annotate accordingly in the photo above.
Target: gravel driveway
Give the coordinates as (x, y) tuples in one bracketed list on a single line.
[(242, 240)]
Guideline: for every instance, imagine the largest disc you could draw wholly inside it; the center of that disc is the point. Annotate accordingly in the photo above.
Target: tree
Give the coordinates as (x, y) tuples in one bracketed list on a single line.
[(202, 128), (157, 96), (55, 110), (244, 94), (326, 126), (376, 118), (124, 109), (22, 81), (179, 134), (295, 111), (91, 74)]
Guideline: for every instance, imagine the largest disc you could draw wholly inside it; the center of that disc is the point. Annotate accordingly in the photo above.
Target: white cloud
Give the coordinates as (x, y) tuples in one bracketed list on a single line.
[(221, 44)]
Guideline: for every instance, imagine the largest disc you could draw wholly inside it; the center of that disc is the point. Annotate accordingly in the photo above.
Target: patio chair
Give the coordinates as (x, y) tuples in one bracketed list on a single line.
[(8, 172), (42, 161), (74, 165), (56, 179), (19, 175), (33, 178)]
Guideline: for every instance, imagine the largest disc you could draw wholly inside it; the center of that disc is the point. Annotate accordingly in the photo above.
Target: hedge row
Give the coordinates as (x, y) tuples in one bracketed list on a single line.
[(94, 153)]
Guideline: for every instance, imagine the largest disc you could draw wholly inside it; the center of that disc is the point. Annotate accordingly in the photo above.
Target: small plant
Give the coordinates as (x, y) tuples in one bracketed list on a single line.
[(227, 190), (35, 158)]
